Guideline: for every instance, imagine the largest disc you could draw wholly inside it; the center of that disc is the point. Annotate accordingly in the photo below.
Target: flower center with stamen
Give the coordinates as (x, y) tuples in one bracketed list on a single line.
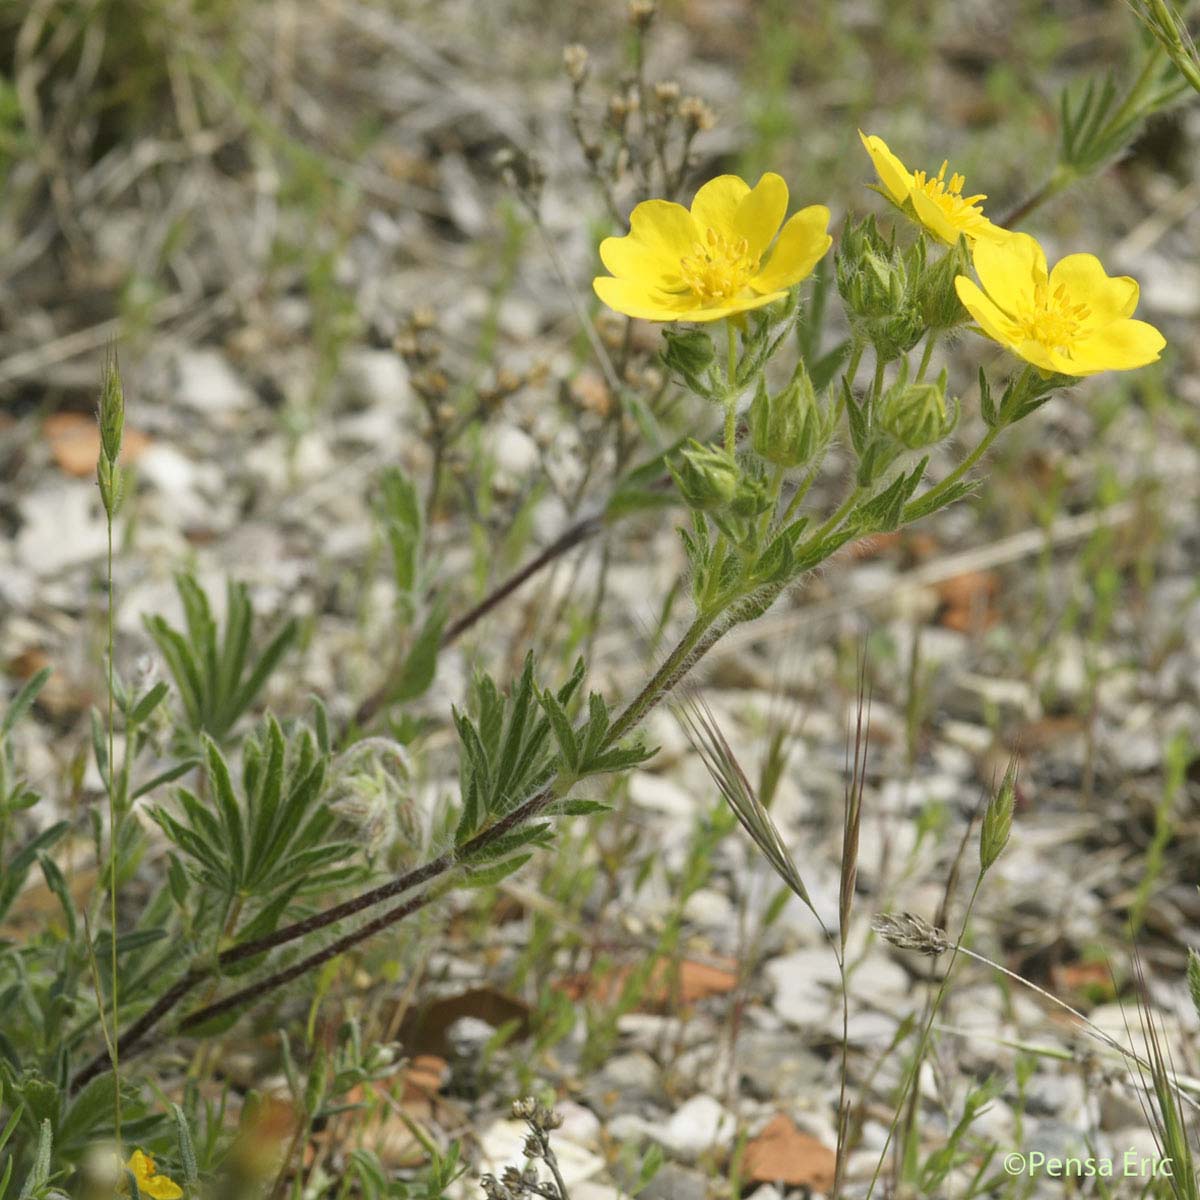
[(962, 210), (718, 268), (1053, 320)]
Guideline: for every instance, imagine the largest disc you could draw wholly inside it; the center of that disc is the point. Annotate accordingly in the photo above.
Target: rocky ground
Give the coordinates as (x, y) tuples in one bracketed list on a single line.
[(1055, 618)]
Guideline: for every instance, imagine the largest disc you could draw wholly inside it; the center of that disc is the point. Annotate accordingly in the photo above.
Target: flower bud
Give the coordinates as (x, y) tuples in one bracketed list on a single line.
[(877, 282), (753, 496), (707, 478), (784, 429), (937, 300), (688, 351), (916, 414)]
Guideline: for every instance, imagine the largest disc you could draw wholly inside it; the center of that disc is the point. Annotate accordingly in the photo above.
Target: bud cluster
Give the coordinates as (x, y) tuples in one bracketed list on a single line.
[(917, 414), (789, 428), (894, 296)]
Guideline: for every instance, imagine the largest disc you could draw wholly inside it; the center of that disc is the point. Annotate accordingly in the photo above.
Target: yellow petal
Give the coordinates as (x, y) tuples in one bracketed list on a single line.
[(1109, 298), (990, 319), (982, 228), (1045, 358), (761, 212), (930, 214), (629, 258), (1009, 268), (802, 242), (740, 304), (636, 299), (716, 204), (160, 1187), (891, 171), (660, 234), (1119, 346)]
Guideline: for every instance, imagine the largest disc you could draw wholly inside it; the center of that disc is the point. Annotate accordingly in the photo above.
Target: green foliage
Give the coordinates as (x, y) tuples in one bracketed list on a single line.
[(1096, 121), (214, 674), (274, 839)]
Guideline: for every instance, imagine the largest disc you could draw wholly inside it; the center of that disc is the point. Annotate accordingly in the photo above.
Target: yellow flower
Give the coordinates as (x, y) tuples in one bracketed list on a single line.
[(676, 265), (938, 204), (149, 1181), (1073, 320)]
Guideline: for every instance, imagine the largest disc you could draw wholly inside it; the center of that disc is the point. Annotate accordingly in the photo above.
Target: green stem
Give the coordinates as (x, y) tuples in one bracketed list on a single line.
[(641, 704), (730, 397), (927, 502), (112, 855), (764, 522), (876, 384), (800, 493), (838, 517), (856, 353)]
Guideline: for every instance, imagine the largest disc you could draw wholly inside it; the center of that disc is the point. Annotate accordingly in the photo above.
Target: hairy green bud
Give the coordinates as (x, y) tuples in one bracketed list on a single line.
[(707, 478), (688, 355), (936, 299), (753, 496), (785, 428), (917, 415), (878, 282)]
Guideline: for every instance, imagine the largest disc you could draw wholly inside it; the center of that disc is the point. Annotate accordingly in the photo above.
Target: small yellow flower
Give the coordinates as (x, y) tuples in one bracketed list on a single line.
[(937, 202), (676, 265), (149, 1181), (1073, 320)]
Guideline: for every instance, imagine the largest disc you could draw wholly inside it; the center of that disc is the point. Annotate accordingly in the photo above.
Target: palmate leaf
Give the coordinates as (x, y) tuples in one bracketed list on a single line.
[(213, 672), (272, 836), (508, 752)]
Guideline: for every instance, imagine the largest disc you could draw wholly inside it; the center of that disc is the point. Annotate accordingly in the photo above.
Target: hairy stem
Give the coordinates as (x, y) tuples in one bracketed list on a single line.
[(677, 663), (939, 490)]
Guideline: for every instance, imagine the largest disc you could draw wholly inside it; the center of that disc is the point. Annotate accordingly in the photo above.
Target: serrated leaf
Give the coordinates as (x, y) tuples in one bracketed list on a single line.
[(576, 808), (187, 1150), (490, 876), (620, 759), (268, 661), (231, 817), (538, 834), (564, 733), (931, 502)]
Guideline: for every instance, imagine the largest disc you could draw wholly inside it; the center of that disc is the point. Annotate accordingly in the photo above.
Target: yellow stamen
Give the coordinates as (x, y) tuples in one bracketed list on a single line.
[(720, 268), (1052, 320), (962, 211)]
